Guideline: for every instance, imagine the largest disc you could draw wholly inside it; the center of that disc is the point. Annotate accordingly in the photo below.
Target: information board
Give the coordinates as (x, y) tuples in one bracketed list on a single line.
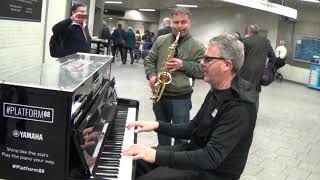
[(307, 49), (26, 10)]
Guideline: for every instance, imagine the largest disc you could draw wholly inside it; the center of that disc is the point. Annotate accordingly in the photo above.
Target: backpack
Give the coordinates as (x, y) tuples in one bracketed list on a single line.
[(268, 74), (56, 46)]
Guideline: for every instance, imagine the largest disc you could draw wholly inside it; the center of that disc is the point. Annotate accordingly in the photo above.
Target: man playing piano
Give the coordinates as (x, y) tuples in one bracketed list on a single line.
[(220, 134)]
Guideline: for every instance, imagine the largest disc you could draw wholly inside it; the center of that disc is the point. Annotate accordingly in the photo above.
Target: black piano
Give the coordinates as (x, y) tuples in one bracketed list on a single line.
[(63, 120)]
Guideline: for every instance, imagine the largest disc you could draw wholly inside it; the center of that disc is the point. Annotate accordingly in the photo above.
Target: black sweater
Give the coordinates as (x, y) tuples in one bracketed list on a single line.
[(73, 37), (220, 134)]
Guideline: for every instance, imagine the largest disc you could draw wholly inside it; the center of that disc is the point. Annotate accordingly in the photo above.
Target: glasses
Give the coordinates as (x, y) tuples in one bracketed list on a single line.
[(207, 59)]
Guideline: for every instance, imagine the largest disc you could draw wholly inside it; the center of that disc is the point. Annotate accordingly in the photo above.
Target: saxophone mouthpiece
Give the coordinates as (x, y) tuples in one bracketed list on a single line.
[(177, 37)]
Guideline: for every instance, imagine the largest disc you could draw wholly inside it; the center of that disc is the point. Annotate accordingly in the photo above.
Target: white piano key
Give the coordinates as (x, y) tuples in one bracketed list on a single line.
[(125, 165), (125, 169)]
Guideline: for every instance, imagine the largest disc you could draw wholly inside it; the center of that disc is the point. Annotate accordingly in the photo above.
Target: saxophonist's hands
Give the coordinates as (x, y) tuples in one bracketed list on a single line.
[(174, 64), (152, 81), (143, 126)]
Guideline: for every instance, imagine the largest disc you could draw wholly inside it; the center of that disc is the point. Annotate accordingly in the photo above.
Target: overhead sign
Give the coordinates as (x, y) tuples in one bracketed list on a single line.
[(26, 10), (267, 6)]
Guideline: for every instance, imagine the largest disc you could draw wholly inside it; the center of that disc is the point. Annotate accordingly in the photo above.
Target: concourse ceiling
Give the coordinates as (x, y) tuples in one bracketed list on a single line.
[(165, 4)]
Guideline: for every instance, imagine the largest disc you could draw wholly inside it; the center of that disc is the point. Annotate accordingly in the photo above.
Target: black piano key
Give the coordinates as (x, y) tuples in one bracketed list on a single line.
[(111, 171)]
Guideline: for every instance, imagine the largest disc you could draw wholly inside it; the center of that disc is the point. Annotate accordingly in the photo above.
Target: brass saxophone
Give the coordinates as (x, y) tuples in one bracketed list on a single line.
[(164, 76)]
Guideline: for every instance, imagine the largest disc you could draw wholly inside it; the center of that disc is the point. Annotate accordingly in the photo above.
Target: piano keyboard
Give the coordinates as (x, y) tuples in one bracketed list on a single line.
[(111, 164)]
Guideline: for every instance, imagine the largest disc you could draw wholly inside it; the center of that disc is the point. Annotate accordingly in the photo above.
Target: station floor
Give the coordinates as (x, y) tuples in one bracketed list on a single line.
[(286, 144)]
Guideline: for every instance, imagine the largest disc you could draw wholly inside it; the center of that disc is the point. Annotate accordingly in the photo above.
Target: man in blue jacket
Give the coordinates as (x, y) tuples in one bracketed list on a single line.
[(220, 134), (74, 31)]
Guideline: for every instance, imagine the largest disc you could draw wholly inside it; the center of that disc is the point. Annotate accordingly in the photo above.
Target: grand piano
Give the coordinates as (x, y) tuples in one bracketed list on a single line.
[(63, 120)]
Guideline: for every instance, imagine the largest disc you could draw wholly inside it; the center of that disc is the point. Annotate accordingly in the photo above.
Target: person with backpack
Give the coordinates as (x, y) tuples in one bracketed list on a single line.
[(257, 50), (72, 34)]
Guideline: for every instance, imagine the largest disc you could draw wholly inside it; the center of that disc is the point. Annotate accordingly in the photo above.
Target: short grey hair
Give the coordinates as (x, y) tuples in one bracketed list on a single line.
[(167, 21), (181, 11), (230, 48), (253, 28)]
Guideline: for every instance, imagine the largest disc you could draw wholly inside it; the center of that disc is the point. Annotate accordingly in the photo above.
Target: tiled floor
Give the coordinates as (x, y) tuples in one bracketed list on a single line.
[(286, 143)]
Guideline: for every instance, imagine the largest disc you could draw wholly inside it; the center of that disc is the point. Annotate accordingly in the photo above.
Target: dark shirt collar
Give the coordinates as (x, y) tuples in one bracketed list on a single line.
[(240, 89), (222, 95)]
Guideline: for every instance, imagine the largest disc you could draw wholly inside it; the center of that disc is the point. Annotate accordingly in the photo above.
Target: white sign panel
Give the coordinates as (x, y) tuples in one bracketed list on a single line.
[(267, 6)]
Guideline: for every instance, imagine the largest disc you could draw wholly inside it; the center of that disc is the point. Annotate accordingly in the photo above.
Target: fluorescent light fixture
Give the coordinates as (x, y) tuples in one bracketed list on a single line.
[(113, 2), (110, 17), (314, 1), (267, 6), (147, 10), (187, 5)]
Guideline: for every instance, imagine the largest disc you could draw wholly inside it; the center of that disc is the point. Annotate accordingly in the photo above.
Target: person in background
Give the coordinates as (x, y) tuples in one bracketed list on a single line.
[(238, 36), (281, 54), (147, 43), (118, 37), (130, 41), (153, 38), (220, 134), (105, 34), (166, 23), (74, 30), (137, 52), (256, 49), (175, 104)]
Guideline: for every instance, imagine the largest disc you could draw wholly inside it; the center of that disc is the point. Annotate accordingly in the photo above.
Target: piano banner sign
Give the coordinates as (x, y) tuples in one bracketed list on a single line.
[(30, 131), (30, 113)]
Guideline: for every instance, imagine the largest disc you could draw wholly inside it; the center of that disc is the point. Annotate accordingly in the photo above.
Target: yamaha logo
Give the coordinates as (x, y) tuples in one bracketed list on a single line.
[(27, 135), (15, 133)]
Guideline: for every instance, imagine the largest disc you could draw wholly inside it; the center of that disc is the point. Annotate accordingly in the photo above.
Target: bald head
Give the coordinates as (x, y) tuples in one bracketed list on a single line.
[(166, 22)]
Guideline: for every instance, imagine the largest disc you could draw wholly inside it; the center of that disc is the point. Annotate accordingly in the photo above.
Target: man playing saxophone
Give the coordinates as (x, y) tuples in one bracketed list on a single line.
[(175, 103)]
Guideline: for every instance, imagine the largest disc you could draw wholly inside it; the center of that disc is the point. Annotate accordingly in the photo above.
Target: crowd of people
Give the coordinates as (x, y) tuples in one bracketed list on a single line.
[(215, 143)]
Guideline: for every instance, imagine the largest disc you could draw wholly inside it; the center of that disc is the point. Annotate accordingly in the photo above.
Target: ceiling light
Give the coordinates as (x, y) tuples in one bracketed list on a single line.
[(315, 1), (110, 17), (147, 10), (113, 2), (187, 5)]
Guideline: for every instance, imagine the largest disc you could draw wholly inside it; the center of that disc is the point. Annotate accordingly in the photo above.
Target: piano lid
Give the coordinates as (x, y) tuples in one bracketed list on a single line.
[(63, 74)]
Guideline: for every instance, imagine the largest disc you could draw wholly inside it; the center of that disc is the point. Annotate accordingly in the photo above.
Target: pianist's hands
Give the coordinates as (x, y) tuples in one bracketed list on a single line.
[(140, 151), (143, 126)]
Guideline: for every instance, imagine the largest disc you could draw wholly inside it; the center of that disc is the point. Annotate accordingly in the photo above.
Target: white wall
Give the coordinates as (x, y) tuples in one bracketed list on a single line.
[(56, 13), (21, 43), (141, 16)]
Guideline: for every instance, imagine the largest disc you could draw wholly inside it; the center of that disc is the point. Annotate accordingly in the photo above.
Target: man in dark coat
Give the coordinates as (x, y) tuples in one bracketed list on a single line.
[(119, 42), (74, 31), (105, 34), (256, 50), (166, 27)]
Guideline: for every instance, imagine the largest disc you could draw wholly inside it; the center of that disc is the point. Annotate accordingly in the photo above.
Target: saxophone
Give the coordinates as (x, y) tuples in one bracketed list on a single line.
[(164, 76)]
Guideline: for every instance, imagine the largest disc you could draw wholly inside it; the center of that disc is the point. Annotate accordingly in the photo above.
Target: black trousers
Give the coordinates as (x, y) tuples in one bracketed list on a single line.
[(114, 49), (148, 171), (131, 54)]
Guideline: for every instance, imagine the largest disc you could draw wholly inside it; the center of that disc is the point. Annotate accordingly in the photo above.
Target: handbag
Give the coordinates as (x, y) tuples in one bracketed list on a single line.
[(268, 74)]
